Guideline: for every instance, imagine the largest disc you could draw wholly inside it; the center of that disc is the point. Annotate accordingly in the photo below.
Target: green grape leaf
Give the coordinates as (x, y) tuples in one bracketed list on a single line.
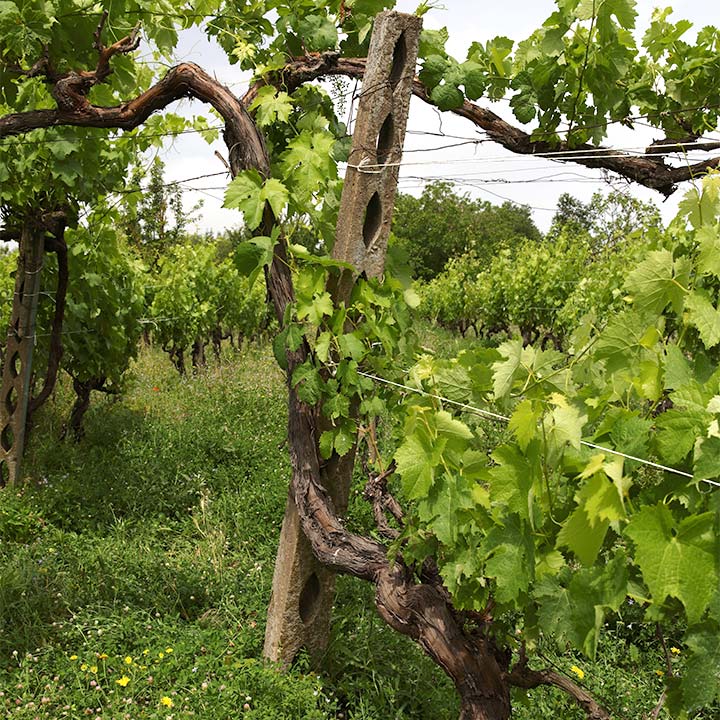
[(583, 537), (504, 370), (524, 423), (708, 261), (447, 96), (701, 679), (654, 283), (275, 194), (454, 429), (315, 309), (254, 254), (279, 345), (707, 458), (271, 106), (510, 482), (624, 337), (344, 439), (352, 346), (676, 367), (336, 406), (415, 467), (327, 444), (569, 612), (449, 497), (433, 70), (704, 316), (244, 194), (679, 562), (507, 566), (567, 423), (307, 383), (318, 32), (432, 42), (677, 431), (474, 79)]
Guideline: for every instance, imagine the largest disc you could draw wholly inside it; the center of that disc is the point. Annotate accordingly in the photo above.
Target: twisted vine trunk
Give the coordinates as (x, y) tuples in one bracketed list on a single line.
[(82, 404)]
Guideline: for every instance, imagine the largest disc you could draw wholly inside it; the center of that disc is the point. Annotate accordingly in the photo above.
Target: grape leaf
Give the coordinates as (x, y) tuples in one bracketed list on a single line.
[(701, 679), (524, 422), (446, 96), (243, 193), (452, 495), (307, 383), (275, 194), (414, 467), (705, 317), (679, 561), (707, 458), (653, 283), (677, 431), (708, 261), (271, 106)]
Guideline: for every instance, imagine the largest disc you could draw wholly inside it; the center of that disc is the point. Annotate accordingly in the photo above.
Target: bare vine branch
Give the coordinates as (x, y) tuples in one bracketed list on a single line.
[(377, 494)]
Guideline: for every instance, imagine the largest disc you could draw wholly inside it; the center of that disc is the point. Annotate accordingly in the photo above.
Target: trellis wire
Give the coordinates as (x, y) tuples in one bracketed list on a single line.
[(503, 418)]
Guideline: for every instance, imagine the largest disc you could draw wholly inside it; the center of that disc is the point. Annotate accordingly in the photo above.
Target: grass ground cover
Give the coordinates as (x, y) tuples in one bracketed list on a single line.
[(136, 565)]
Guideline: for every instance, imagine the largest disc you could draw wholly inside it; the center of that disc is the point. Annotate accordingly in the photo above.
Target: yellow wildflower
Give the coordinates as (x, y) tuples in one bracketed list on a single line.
[(145, 651), (83, 667), (73, 657), (128, 660), (161, 655), (578, 671), (93, 669), (659, 673), (166, 701), (168, 650), (123, 681), (674, 650), (102, 656)]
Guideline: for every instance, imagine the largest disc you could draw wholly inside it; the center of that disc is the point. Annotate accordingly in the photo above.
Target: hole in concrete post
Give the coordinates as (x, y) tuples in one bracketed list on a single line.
[(15, 365), (373, 220), (386, 140), (11, 401), (308, 598), (7, 438), (399, 61)]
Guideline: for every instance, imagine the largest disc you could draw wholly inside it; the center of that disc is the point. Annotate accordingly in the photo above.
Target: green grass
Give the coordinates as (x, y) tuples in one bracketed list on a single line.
[(159, 530), (144, 554)]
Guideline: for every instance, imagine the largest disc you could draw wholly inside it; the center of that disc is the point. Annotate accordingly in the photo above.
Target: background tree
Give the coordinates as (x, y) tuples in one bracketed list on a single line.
[(441, 224), (608, 219), (154, 217)]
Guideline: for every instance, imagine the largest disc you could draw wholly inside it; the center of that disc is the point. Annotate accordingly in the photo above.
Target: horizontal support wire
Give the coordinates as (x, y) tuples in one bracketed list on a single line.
[(504, 418)]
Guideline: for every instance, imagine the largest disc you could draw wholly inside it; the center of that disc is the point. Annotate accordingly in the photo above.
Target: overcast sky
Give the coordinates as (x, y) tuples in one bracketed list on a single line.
[(482, 170)]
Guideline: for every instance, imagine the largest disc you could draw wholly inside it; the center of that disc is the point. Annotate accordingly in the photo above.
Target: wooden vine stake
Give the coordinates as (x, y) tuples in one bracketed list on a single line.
[(17, 362), (303, 590)]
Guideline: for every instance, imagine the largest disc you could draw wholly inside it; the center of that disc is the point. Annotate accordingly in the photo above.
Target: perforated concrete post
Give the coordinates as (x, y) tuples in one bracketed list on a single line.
[(371, 179), (17, 363), (303, 590)]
